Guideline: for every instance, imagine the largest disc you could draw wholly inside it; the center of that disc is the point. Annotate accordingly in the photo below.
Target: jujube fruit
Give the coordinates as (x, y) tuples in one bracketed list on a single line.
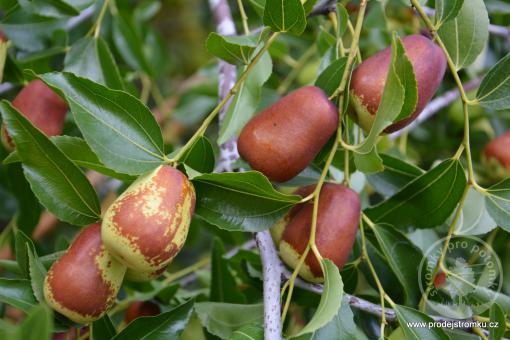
[(43, 107), (496, 156), (369, 78), (337, 224), (283, 139), (138, 276), (141, 308), (84, 282), (147, 225)]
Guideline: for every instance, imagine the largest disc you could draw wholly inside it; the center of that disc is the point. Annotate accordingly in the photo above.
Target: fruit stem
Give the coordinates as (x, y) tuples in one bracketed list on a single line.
[(244, 17), (97, 25), (207, 121), (440, 262), (364, 254)]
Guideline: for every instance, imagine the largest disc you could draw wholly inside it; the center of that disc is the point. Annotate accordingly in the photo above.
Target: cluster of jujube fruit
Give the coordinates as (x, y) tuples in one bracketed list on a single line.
[(147, 225)]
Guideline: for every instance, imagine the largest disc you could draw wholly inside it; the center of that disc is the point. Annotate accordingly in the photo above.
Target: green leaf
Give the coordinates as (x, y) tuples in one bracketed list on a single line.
[(330, 78), (342, 17), (56, 181), (129, 43), (223, 319), (240, 201), (285, 16), (118, 127), (224, 287), (342, 326), (258, 6), (466, 35), (403, 257), (38, 325), (494, 91), (49, 8), (91, 58), (497, 202), (232, 49), (406, 315), (200, 156), (399, 97), (447, 10), (77, 150), (37, 274), (396, 174), (17, 293), (21, 243), (368, 163), (249, 332), (497, 315), (425, 202), (246, 100), (331, 299), (103, 328), (475, 219), (166, 326)]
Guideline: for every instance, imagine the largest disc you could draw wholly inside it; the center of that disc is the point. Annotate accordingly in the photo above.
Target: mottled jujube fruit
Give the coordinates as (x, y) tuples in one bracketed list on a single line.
[(43, 107), (283, 139), (337, 224), (138, 276), (369, 78), (141, 308), (84, 282), (147, 225)]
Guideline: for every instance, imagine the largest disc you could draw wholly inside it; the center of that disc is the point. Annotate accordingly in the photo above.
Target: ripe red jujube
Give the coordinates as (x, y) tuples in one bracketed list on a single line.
[(496, 156), (43, 107), (84, 282), (337, 224), (369, 78), (283, 139), (147, 225), (141, 308)]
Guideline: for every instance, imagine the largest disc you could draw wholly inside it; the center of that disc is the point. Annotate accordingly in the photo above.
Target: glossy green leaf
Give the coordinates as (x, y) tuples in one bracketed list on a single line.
[(240, 201), (223, 319), (166, 326), (249, 332), (368, 163), (246, 100), (232, 49), (403, 258), (406, 315), (118, 127), (200, 156), (38, 324), (130, 44), (447, 10), (331, 299), (497, 202), (49, 8), (494, 91), (37, 274), (466, 35), (224, 287), (342, 326), (77, 150), (425, 202), (21, 243), (103, 328), (285, 16), (91, 58), (474, 218), (497, 316), (56, 181), (329, 79), (396, 174), (17, 293), (342, 17)]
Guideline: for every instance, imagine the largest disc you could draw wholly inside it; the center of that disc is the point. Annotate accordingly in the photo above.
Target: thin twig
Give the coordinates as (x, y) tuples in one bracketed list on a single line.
[(437, 105), (272, 271)]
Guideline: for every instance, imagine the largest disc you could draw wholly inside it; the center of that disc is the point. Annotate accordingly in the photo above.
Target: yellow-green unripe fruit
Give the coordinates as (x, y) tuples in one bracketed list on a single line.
[(84, 282), (147, 225)]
